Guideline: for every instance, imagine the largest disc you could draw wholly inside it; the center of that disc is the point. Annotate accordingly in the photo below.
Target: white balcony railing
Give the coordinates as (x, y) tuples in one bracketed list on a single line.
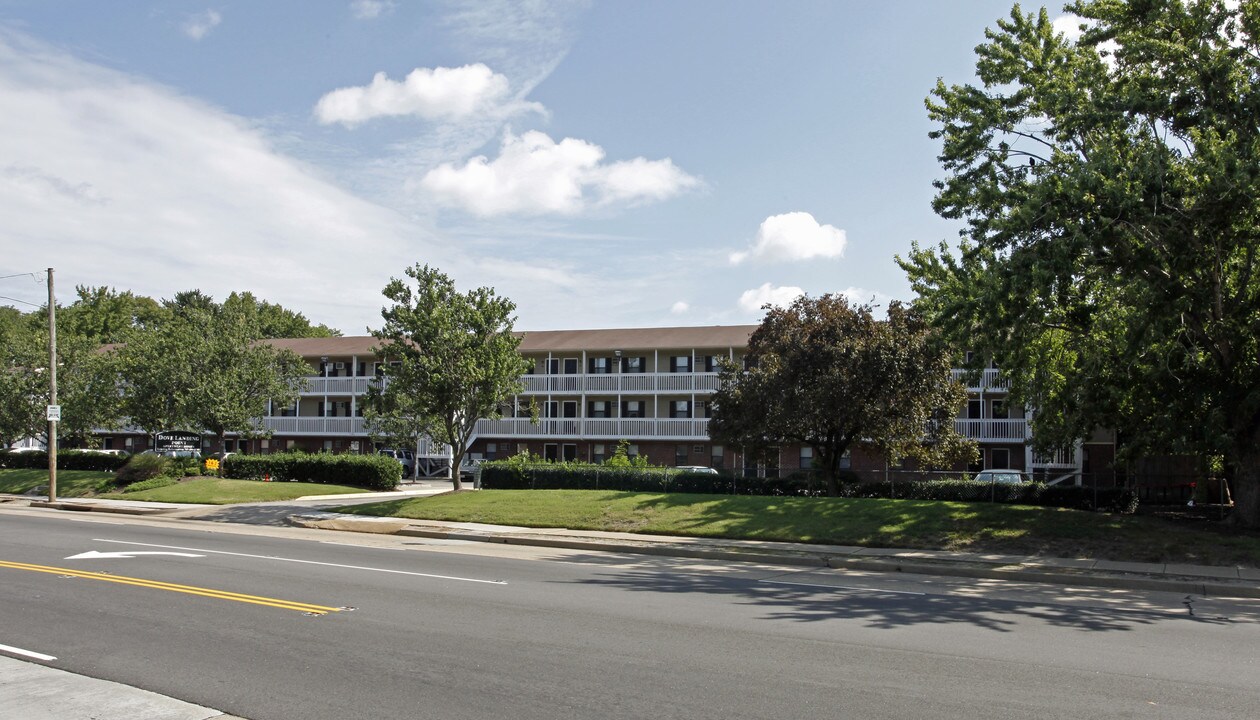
[(336, 385), (993, 430), (597, 428), (314, 425), (620, 383), (988, 379)]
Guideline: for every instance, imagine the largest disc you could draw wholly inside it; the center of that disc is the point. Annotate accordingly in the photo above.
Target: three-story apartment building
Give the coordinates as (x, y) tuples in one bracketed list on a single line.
[(588, 390)]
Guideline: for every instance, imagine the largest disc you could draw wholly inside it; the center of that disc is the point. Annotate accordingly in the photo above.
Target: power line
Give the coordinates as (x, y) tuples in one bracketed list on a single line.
[(6, 297), (32, 275)]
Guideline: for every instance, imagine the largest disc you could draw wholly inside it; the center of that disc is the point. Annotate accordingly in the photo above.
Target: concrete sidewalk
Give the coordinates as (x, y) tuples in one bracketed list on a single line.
[(38, 692)]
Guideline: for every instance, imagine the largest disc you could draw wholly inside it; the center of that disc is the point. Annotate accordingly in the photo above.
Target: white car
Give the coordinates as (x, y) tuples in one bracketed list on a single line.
[(696, 469), (1010, 477)]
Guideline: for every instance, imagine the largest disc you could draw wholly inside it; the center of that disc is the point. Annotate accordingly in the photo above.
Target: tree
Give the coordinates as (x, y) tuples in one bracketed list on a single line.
[(451, 358), (826, 374), (202, 369), (1111, 192)]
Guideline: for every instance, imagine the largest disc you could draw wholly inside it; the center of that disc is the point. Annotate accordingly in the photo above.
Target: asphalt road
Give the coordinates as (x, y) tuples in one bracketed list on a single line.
[(272, 623)]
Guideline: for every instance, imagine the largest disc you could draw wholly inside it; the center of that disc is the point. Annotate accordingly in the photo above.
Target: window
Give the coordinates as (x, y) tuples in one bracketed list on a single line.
[(492, 449), (553, 366), (598, 455), (570, 408), (570, 366), (716, 457), (632, 408), (599, 365), (704, 409), (1000, 409), (551, 409), (568, 452), (632, 451), (680, 364), (846, 460), (550, 453), (680, 409), (634, 365), (710, 363), (681, 455), (975, 409), (598, 409), (807, 458), (750, 362)]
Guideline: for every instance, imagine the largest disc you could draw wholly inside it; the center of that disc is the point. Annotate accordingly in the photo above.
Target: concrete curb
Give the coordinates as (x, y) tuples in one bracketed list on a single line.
[(94, 507)]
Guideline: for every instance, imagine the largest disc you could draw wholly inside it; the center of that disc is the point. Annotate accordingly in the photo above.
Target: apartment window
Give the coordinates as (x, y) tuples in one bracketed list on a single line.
[(632, 408), (599, 365), (570, 366), (492, 449), (570, 408), (710, 363), (807, 458), (750, 362), (681, 455), (553, 366), (846, 460), (680, 364), (551, 452), (632, 450), (975, 409), (598, 409), (319, 408), (599, 453), (568, 451), (716, 457), (680, 409), (551, 409), (1000, 410), (704, 409), (633, 364)]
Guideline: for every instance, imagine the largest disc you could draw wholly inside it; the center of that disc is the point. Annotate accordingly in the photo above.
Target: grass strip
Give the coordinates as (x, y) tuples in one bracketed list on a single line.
[(221, 491)]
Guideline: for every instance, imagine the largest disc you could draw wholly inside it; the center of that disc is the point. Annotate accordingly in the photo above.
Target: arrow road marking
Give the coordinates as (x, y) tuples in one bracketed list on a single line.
[(311, 562), (94, 554)]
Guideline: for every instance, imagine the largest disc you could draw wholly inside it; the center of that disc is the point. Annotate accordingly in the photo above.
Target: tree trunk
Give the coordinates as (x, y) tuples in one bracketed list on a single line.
[(1245, 488), (457, 459)]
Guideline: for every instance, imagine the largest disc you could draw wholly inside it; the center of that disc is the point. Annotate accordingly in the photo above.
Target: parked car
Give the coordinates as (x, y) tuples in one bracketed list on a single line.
[(175, 453), (102, 451), (406, 457), (1012, 477), (696, 469)]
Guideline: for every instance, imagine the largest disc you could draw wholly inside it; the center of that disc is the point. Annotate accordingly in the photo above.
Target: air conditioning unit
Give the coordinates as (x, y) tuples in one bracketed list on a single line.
[(340, 366)]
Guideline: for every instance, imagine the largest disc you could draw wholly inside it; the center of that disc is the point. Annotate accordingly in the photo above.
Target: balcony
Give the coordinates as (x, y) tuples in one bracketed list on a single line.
[(989, 379), (316, 385), (314, 425), (993, 430), (597, 428), (620, 383)]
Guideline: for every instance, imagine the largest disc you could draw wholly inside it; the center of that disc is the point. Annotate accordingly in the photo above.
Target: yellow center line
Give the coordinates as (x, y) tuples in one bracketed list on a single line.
[(187, 589)]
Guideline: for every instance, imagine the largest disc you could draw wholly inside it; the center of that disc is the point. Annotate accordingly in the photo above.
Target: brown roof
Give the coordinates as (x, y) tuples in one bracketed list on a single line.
[(712, 336)]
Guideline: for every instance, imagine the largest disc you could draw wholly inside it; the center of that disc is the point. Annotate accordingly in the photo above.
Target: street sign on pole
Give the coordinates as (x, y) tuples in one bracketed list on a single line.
[(54, 413)]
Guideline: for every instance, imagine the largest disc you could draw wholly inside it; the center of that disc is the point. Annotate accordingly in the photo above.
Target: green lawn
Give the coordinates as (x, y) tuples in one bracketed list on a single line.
[(70, 483), (219, 491), (976, 527)]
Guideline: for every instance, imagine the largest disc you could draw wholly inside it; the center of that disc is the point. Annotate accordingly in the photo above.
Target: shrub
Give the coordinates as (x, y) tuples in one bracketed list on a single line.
[(151, 484), (66, 460), (371, 472), (140, 468)]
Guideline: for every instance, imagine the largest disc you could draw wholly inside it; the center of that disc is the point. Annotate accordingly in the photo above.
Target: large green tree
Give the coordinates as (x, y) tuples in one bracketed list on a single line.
[(1110, 187), (452, 357), (827, 374)]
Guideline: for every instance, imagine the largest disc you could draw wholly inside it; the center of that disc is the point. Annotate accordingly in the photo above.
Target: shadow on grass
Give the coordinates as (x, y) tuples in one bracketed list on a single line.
[(888, 609)]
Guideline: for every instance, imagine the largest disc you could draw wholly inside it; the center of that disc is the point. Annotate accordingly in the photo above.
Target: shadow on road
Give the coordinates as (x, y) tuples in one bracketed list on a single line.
[(886, 609)]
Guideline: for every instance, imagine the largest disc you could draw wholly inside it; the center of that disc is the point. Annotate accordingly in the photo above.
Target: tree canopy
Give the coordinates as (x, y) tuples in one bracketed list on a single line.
[(828, 375), (1110, 187), (451, 357)]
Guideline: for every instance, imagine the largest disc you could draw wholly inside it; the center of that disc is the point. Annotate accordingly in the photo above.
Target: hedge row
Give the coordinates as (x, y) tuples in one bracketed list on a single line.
[(66, 460), (371, 472), (511, 476)]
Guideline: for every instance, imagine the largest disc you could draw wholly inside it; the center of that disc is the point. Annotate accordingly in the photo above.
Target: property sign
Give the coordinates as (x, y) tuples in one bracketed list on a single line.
[(54, 413), (176, 440)]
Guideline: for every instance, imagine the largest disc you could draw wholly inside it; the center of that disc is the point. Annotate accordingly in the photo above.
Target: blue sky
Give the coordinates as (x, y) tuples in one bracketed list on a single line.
[(603, 164)]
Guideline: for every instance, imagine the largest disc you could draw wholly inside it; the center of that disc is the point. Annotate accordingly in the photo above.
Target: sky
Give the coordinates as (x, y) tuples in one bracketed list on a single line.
[(603, 164)]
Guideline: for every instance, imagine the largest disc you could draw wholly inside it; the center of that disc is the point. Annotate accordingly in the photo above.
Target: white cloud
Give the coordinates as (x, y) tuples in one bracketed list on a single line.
[(534, 175), (680, 308), (437, 94), (859, 296), (1069, 25), (753, 300), (116, 181), (371, 9), (200, 24), (793, 236)]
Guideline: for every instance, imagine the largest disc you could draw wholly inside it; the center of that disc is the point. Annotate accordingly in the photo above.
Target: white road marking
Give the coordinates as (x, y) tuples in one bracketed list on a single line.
[(97, 555), (841, 587), (308, 562), (27, 653)]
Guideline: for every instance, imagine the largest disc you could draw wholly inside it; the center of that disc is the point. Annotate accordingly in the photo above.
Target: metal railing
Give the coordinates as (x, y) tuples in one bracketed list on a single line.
[(987, 379), (989, 429), (597, 428)]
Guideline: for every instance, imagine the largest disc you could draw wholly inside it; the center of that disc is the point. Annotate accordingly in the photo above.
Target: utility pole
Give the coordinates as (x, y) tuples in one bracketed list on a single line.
[(52, 390)]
